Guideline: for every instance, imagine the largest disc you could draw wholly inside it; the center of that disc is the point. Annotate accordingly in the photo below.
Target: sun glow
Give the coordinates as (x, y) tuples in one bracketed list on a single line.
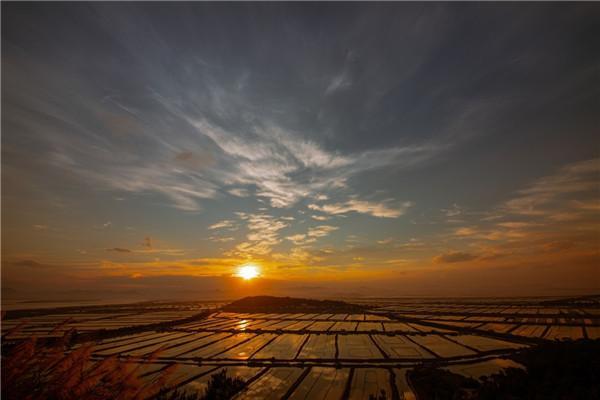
[(248, 272)]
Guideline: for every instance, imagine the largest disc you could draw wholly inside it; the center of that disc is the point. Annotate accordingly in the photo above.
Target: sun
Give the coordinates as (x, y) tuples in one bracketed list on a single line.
[(248, 272)]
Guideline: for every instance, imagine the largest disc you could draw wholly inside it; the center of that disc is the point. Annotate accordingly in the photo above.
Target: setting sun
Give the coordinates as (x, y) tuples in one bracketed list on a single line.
[(248, 272)]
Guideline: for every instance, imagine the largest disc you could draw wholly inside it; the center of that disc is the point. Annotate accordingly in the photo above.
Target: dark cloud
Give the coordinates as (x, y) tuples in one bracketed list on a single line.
[(147, 243), (194, 160), (559, 245), (454, 257), (31, 264), (119, 250)]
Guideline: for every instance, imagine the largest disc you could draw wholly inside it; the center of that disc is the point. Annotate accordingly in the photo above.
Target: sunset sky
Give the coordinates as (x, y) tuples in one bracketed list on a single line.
[(351, 149)]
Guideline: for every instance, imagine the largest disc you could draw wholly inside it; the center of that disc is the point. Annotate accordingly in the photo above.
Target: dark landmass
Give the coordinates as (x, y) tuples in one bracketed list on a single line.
[(106, 308), (271, 304), (555, 370), (589, 300)]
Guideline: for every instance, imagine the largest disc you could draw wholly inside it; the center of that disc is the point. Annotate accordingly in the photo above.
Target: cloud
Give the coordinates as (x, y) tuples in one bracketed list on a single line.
[(148, 249), (322, 230), (319, 217), (588, 205), (239, 192), (453, 257), (119, 250), (557, 208), (272, 160), (312, 234), (225, 224), (466, 231), (283, 166), (559, 245), (262, 236), (219, 142), (453, 211), (221, 239), (183, 187), (147, 243), (297, 239), (545, 194), (189, 131), (516, 225), (381, 209), (30, 264), (338, 83), (195, 160)]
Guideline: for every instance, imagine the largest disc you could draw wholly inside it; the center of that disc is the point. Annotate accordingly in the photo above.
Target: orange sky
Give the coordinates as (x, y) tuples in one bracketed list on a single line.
[(354, 150)]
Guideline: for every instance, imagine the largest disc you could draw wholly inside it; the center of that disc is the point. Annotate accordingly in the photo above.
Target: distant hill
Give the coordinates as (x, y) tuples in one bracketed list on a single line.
[(271, 304)]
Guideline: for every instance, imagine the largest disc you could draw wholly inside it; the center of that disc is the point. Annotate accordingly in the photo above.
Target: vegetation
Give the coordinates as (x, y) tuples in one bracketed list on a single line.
[(380, 396), (271, 304), (33, 370), (555, 370), (220, 387), (438, 384)]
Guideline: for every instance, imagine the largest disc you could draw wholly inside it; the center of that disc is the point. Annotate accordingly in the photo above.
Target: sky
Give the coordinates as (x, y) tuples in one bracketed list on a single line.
[(344, 149)]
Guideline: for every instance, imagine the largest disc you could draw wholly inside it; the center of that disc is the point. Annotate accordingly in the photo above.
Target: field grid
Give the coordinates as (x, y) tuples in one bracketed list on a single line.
[(317, 355)]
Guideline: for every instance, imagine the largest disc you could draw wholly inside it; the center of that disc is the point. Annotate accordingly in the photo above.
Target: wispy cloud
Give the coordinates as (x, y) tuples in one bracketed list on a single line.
[(339, 82), (225, 224), (211, 149), (221, 239), (321, 230), (453, 211), (385, 241), (517, 225), (262, 236), (555, 213), (298, 239), (377, 209), (312, 234), (541, 197), (147, 251), (239, 192), (269, 159)]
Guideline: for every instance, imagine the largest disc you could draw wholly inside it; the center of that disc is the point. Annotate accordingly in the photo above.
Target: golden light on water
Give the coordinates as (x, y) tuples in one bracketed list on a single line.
[(248, 272)]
